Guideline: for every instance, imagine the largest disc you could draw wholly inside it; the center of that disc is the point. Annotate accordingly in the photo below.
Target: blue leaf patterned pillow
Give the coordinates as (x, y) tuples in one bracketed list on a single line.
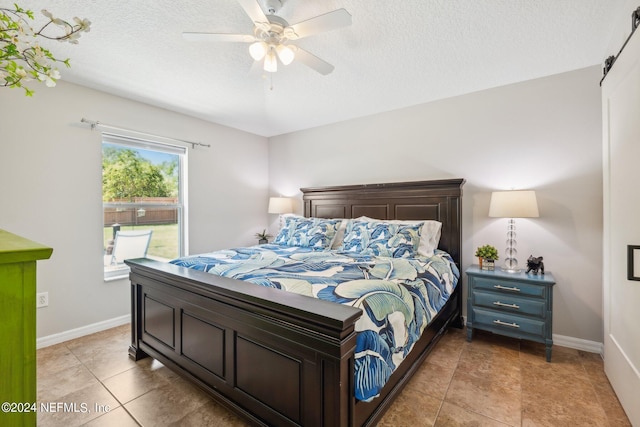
[(316, 233), (382, 239)]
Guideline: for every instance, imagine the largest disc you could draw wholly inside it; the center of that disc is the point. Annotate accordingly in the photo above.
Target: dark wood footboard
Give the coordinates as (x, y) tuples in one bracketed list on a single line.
[(275, 357)]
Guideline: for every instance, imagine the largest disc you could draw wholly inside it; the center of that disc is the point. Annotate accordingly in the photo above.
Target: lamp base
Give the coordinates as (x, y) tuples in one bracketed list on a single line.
[(510, 270)]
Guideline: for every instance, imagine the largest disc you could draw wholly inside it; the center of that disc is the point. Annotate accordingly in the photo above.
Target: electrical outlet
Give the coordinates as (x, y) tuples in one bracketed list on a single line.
[(42, 299)]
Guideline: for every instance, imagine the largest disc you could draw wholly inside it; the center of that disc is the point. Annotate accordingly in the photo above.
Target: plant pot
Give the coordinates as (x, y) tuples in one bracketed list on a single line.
[(487, 264), (262, 241)]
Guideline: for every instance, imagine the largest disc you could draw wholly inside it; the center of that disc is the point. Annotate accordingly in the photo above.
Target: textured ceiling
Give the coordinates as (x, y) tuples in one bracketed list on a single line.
[(395, 54)]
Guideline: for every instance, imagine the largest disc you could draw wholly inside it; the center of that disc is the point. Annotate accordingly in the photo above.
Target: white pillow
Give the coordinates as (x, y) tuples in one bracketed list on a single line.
[(429, 235)]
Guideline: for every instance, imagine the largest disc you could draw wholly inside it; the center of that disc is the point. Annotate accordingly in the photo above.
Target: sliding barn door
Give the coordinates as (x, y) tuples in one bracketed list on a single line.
[(621, 143)]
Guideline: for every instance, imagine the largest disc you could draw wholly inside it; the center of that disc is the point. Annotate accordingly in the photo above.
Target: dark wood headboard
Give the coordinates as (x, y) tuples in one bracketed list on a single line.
[(438, 200)]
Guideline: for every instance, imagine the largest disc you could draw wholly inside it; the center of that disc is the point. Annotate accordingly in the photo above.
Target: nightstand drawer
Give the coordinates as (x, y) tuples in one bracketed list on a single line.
[(515, 325), (509, 303), (510, 287)]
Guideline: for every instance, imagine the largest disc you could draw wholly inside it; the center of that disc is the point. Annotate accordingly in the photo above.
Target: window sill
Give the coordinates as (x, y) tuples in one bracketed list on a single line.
[(111, 274)]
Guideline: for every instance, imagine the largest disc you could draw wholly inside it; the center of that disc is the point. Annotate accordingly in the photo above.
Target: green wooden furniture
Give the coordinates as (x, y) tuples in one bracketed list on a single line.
[(518, 305), (18, 258)]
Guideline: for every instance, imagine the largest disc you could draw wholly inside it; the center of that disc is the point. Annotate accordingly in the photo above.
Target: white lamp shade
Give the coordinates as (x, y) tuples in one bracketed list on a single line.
[(285, 54), (513, 204), (270, 61), (280, 205), (257, 50)]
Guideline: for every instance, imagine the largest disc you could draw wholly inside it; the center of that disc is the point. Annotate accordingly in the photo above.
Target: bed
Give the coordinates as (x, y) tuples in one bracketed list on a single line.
[(239, 341)]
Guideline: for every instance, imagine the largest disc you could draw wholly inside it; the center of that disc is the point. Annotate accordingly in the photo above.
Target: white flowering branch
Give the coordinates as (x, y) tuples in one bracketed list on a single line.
[(22, 59)]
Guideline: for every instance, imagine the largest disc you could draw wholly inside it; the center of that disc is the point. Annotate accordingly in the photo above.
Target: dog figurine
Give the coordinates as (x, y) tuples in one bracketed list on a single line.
[(534, 264)]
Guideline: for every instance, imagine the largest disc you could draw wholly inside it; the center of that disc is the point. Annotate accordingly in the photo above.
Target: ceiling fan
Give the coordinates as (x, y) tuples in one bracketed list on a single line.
[(272, 35)]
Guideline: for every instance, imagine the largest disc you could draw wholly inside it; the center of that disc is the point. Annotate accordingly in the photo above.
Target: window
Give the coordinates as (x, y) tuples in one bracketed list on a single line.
[(143, 190)]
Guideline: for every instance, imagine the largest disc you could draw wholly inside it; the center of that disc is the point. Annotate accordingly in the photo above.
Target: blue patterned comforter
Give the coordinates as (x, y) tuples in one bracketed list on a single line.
[(398, 296)]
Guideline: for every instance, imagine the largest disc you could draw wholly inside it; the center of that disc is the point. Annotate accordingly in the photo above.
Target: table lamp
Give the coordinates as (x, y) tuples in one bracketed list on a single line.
[(513, 204), (280, 205)]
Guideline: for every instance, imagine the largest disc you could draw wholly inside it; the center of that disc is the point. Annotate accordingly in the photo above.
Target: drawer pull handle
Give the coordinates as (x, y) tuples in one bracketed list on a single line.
[(511, 325), (506, 288), (501, 304)]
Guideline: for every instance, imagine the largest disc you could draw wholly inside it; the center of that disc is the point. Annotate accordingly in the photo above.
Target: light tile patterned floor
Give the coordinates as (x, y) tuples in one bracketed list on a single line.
[(493, 381)]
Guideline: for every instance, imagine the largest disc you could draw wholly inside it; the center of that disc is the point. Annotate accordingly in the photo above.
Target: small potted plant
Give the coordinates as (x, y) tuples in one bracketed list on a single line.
[(263, 237), (487, 256)]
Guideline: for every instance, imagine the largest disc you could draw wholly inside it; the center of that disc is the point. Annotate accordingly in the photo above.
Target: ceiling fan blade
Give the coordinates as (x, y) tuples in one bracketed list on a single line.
[(218, 37), (329, 21), (312, 61), (253, 9)]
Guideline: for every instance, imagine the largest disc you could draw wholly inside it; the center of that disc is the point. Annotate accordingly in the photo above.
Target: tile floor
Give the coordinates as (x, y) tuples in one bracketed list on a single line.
[(493, 381)]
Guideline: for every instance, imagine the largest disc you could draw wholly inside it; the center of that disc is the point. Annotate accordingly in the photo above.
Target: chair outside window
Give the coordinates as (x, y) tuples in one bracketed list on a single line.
[(130, 244)]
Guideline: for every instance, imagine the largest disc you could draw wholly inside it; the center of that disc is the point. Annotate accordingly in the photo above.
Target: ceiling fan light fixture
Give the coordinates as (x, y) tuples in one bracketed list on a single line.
[(270, 61), (258, 50), (285, 53), (272, 35)]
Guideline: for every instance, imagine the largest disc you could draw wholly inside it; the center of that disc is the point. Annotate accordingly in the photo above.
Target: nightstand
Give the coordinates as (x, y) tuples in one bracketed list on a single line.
[(517, 305)]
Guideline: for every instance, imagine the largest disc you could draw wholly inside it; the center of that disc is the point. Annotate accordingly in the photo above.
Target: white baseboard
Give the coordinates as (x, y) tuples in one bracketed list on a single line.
[(82, 331), (579, 344), (574, 343)]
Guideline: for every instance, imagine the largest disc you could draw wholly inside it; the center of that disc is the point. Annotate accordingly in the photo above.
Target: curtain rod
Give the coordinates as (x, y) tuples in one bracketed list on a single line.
[(94, 124)]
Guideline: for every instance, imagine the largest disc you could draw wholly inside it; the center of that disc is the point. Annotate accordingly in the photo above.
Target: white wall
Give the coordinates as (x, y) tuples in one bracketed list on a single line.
[(50, 191), (543, 134)]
